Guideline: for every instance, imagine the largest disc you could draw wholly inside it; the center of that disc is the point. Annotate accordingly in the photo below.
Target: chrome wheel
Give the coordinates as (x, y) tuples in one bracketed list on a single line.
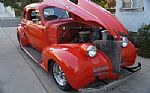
[(59, 75)]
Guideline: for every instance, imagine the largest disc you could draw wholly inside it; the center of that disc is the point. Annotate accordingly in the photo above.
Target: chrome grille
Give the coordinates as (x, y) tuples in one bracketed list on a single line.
[(112, 49)]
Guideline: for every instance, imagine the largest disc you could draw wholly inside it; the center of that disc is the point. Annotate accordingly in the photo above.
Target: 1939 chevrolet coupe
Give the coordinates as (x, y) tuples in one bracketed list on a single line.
[(81, 44)]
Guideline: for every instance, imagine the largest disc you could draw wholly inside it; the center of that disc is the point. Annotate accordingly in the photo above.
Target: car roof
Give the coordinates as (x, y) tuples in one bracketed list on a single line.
[(33, 5)]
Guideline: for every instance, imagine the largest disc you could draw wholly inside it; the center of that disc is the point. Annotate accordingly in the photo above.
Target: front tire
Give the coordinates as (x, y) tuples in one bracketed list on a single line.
[(59, 77)]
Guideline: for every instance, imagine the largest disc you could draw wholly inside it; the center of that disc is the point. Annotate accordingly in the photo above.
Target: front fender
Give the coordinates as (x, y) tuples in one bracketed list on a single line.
[(128, 55), (77, 66)]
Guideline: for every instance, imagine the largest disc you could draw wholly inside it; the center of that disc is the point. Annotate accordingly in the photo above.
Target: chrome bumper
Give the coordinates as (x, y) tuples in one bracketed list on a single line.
[(133, 72)]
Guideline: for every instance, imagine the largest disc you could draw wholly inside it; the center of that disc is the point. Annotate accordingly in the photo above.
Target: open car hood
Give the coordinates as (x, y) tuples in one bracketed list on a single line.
[(106, 17), (93, 14)]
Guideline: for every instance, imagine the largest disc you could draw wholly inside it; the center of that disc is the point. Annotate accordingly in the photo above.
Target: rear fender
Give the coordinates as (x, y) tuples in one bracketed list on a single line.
[(77, 66), (21, 35)]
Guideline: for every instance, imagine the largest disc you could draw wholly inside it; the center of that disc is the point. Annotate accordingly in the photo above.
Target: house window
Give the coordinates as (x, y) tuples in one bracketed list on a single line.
[(132, 5), (127, 3)]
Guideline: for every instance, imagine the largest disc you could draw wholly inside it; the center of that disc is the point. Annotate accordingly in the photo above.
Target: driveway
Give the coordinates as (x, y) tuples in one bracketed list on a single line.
[(19, 74)]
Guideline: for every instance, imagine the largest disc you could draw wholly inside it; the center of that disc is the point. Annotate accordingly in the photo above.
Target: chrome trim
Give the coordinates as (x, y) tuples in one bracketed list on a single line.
[(59, 75)]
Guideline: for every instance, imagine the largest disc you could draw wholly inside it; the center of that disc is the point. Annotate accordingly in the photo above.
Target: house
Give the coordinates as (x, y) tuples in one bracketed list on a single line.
[(133, 13)]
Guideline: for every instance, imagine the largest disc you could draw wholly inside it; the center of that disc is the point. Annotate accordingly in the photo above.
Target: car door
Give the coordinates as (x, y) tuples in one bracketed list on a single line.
[(23, 24), (36, 33)]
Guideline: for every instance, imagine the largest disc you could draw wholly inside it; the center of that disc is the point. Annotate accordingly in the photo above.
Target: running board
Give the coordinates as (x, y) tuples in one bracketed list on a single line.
[(34, 54)]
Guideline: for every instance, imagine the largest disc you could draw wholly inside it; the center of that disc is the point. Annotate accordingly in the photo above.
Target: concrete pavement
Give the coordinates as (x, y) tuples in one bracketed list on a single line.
[(20, 74), (37, 80), (9, 21), (139, 84), (15, 75)]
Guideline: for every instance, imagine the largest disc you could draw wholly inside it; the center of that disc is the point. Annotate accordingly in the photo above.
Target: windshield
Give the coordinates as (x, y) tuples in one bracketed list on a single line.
[(52, 13)]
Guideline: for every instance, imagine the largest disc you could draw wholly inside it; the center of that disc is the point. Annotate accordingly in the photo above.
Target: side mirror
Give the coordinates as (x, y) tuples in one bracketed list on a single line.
[(35, 20)]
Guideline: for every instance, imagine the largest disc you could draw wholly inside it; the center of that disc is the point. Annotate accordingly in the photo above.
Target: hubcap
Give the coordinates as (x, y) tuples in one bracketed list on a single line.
[(59, 75)]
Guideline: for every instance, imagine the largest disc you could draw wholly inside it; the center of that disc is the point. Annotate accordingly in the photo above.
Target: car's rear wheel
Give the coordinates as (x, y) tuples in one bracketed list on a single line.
[(19, 40), (59, 77)]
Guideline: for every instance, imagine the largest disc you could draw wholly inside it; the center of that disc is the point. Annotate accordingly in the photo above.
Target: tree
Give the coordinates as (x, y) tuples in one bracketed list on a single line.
[(103, 3)]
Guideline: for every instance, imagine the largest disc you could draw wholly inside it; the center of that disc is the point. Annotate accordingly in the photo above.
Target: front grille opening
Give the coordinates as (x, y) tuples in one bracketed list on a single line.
[(112, 49)]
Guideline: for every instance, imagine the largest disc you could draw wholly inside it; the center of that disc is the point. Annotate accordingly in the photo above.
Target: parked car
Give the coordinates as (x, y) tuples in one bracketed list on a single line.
[(80, 44)]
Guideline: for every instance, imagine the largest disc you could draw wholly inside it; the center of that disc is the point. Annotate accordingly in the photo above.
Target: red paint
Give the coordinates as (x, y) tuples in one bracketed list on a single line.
[(73, 59)]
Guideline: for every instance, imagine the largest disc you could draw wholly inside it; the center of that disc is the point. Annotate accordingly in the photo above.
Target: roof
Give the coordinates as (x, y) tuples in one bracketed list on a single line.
[(34, 5)]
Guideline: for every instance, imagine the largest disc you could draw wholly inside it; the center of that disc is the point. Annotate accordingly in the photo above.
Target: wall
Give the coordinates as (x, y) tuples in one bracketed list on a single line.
[(2, 9), (6, 11), (10, 11), (133, 20)]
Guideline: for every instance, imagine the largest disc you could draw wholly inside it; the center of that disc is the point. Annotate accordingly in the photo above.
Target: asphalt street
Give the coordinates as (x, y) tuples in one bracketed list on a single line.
[(20, 74)]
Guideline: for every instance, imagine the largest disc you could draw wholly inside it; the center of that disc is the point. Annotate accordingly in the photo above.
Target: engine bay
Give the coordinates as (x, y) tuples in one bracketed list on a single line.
[(75, 32)]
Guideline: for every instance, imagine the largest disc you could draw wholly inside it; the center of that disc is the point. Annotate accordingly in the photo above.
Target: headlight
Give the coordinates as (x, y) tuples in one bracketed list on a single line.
[(124, 41), (91, 50)]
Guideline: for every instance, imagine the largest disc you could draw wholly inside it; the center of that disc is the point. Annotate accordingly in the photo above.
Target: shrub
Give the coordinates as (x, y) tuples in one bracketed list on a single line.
[(18, 12), (132, 36), (143, 41), (103, 3)]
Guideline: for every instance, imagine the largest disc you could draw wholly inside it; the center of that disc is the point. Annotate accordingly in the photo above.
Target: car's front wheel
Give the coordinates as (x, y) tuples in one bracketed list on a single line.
[(59, 77)]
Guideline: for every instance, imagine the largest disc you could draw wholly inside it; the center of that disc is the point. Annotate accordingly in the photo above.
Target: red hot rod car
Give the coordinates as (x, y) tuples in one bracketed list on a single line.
[(80, 43)]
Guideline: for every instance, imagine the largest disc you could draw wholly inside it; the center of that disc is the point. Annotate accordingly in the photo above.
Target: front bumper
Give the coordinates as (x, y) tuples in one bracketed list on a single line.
[(133, 71)]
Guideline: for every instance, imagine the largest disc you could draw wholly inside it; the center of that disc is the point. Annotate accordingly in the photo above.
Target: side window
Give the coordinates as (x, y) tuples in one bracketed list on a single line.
[(52, 13), (33, 14), (133, 5)]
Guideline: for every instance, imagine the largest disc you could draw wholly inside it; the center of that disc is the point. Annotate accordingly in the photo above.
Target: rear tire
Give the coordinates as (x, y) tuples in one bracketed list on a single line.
[(19, 40), (59, 77)]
